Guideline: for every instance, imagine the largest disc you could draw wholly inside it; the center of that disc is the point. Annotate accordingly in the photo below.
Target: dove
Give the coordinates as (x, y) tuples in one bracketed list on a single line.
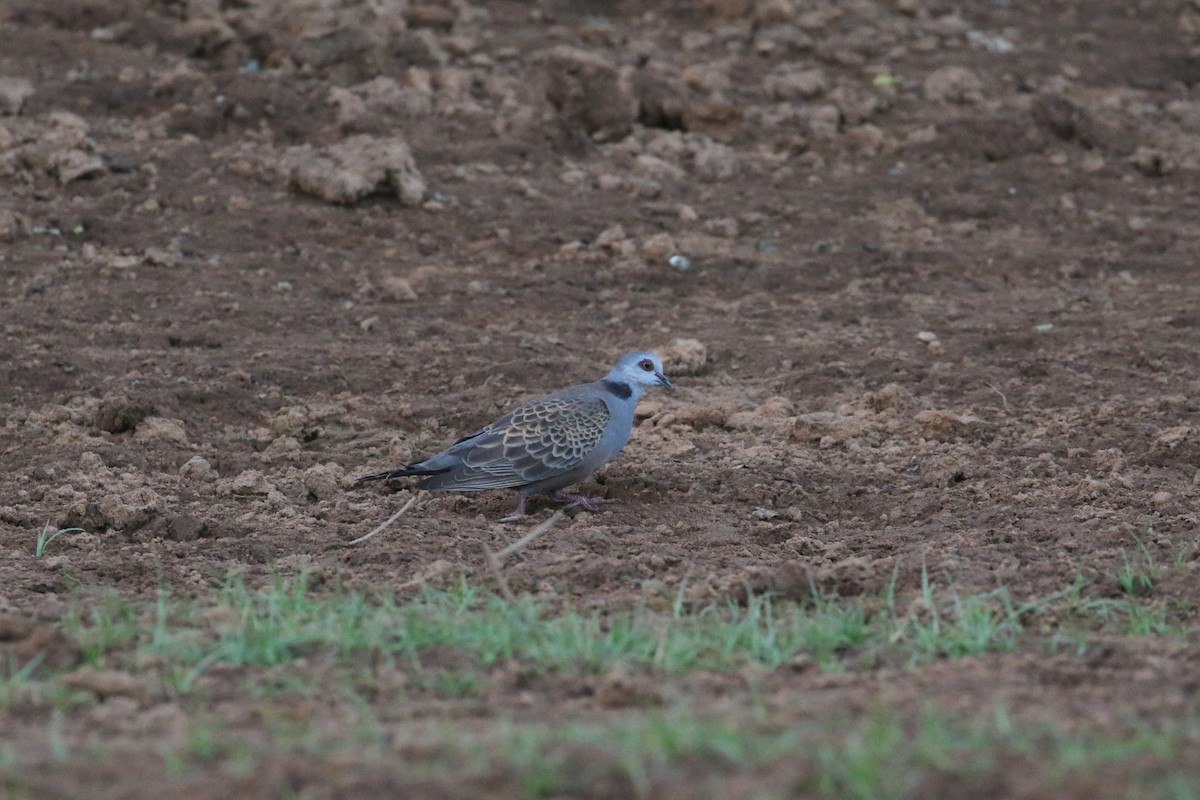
[(546, 444)]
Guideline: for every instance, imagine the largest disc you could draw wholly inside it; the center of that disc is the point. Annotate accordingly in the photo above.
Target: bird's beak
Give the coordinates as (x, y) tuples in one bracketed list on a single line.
[(663, 382)]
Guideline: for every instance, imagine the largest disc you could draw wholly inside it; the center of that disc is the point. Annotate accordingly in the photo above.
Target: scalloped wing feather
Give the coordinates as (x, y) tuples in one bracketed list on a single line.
[(544, 438)]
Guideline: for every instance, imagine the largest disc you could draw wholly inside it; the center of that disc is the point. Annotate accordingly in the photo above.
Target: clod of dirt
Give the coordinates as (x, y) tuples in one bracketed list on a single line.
[(590, 92), (13, 94), (186, 528), (65, 151), (953, 85), (659, 247), (250, 482), (197, 468), (1173, 437), (324, 480), (685, 357), (301, 420), (614, 240), (131, 510), (161, 429), (119, 413), (361, 165)]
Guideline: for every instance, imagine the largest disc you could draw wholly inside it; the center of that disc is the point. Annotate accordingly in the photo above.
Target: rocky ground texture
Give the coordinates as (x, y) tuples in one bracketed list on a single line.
[(924, 273)]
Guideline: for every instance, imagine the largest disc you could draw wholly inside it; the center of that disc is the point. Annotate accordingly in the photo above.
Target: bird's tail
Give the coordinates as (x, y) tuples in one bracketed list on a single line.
[(399, 472)]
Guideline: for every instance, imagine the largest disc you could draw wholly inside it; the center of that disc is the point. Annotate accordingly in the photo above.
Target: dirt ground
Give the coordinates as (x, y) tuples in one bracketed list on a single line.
[(925, 275)]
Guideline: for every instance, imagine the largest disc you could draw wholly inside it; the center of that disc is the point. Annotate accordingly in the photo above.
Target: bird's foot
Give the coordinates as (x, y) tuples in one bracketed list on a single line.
[(518, 512), (580, 501)]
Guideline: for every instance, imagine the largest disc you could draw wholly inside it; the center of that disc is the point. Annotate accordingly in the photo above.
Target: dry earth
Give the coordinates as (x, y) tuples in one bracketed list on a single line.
[(936, 303)]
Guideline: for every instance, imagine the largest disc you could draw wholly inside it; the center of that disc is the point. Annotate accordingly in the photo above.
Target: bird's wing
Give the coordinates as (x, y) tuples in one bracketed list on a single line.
[(538, 440)]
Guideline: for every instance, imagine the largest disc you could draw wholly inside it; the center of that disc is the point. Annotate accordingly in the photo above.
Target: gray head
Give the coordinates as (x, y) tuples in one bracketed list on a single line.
[(639, 370)]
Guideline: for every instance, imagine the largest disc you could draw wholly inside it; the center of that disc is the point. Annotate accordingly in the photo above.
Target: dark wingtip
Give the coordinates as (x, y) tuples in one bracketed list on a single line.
[(401, 472)]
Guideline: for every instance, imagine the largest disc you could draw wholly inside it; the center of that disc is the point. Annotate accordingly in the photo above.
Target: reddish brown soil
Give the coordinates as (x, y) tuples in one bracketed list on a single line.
[(945, 296)]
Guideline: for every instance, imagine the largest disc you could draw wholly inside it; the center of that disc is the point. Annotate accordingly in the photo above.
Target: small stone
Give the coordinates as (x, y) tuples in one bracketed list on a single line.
[(928, 337)]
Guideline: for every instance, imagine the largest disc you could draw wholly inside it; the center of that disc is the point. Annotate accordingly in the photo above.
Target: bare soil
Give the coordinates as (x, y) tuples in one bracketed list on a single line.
[(940, 310)]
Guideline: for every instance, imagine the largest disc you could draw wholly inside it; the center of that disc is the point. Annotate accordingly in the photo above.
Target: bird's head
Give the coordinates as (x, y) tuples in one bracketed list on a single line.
[(640, 370)]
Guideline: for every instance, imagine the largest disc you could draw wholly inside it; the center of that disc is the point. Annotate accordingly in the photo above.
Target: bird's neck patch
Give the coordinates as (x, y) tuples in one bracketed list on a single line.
[(621, 390)]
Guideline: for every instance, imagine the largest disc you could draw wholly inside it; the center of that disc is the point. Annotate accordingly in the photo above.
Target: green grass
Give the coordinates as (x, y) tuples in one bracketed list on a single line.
[(448, 640), (882, 754), (46, 536), (308, 640), (456, 635), (1138, 573)]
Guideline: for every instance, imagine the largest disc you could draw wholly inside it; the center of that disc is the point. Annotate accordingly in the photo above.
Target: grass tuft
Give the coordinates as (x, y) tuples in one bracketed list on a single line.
[(46, 536)]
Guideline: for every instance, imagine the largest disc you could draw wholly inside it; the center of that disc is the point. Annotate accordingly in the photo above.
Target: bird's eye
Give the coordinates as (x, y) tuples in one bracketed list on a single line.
[(647, 365)]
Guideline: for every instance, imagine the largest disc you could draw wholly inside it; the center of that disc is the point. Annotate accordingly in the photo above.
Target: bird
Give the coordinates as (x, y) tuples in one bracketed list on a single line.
[(545, 444)]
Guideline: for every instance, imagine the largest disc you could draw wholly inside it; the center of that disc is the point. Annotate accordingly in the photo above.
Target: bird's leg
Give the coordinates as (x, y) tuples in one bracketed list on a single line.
[(580, 501), (518, 512)]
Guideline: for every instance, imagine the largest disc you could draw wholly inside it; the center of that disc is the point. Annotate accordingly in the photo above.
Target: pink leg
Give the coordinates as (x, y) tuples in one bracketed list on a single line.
[(518, 512), (580, 501)]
